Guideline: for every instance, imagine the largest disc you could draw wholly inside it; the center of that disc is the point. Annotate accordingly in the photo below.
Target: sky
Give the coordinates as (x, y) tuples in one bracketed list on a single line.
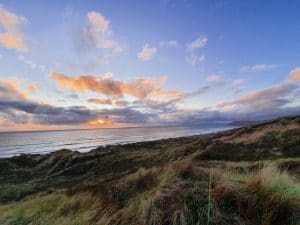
[(100, 64)]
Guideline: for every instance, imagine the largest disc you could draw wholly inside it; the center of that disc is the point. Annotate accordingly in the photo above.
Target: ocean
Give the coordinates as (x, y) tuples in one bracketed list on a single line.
[(41, 142)]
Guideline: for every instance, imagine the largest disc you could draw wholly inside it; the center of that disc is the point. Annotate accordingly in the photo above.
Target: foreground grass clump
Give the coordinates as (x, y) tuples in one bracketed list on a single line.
[(50, 209), (267, 197)]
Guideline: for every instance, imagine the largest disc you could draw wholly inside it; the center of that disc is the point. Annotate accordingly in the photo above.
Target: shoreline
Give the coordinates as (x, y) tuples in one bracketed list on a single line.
[(229, 128), (119, 176)]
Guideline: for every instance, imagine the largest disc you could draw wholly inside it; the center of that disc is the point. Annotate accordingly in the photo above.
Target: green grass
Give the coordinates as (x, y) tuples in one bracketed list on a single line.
[(177, 194), (269, 196), (184, 181)]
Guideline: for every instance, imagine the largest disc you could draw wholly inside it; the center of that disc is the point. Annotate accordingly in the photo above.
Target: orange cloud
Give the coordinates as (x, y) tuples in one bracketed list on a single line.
[(12, 37), (170, 94), (294, 75), (33, 87), (147, 53), (139, 87), (11, 41), (106, 101), (100, 32), (9, 90)]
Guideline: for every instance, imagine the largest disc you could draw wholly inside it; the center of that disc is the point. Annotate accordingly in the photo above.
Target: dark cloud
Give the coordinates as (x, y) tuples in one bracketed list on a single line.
[(268, 99), (47, 114), (258, 105)]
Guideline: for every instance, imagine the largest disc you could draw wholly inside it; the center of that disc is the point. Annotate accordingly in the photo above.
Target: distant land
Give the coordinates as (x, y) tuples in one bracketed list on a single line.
[(244, 123)]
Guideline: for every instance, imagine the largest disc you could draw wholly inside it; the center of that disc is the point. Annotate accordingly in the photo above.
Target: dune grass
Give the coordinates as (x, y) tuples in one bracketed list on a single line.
[(269, 196), (177, 194)]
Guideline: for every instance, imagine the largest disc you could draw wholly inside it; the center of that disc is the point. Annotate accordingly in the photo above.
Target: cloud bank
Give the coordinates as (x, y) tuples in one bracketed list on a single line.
[(138, 87)]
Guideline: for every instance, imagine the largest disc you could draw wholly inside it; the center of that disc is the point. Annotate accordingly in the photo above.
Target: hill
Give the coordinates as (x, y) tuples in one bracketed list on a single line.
[(248, 175)]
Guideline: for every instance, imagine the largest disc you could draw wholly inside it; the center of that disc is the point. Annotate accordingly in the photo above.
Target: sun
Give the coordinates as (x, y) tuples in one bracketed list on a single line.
[(100, 121)]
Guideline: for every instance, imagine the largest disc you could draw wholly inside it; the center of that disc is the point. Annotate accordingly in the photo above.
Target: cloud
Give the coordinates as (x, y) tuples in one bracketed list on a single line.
[(261, 104), (238, 82), (167, 106), (170, 94), (121, 102), (197, 44), (12, 35), (96, 34), (42, 68), (9, 90), (170, 43), (138, 87), (27, 62), (236, 85), (94, 38), (105, 101), (258, 68), (194, 59), (268, 99), (39, 113), (33, 87), (294, 75), (99, 32), (213, 78), (147, 53)]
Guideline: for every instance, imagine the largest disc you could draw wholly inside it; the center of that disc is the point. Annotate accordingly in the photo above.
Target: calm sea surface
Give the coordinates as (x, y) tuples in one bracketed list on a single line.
[(15, 143)]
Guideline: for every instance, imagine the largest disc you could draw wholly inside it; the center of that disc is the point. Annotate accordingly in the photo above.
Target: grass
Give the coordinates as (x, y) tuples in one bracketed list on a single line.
[(183, 181), (178, 194), (269, 196)]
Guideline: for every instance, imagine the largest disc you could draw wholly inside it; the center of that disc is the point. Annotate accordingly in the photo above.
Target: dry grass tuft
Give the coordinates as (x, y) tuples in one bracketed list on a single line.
[(268, 197)]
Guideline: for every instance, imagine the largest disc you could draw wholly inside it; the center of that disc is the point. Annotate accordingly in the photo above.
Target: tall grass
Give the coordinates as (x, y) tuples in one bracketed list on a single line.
[(209, 199), (181, 193), (269, 196)]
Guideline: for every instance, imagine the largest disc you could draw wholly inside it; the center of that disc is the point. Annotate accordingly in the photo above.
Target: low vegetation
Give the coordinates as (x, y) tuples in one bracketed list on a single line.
[(196, 180)]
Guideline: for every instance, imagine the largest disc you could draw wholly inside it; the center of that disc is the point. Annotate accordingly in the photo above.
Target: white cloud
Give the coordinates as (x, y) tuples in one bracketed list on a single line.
[(1, 56), (258, 68), (27, 62), (170, 43), (95, 40), (42, 68), (197, 44), (194, 59), (147, 53), (294, 75), (236, 85), (100, 32), (12, 35)]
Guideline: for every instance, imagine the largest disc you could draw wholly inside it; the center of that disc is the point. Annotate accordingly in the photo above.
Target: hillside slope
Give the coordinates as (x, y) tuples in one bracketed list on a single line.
[(253, 174)]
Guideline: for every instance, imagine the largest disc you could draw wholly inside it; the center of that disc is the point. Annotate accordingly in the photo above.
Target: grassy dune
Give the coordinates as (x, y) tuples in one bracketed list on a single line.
[(244, 176)]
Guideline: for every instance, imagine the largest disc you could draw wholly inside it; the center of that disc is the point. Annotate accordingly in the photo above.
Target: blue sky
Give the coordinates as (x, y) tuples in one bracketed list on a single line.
[(128, 63)]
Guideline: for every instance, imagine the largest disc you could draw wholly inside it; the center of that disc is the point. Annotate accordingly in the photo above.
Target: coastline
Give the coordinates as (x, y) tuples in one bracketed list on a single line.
[(87, 140), (122, 175)]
